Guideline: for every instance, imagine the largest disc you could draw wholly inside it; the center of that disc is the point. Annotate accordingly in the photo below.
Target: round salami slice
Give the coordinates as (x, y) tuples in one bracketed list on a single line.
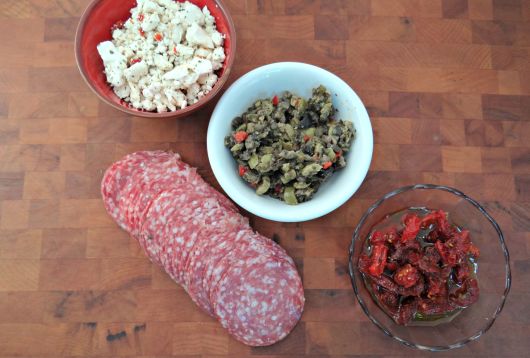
[(150, 180), (220, 247), (259, 301), (165, 231), (221, 234), (114, 187), (203, 186), (250, 246)]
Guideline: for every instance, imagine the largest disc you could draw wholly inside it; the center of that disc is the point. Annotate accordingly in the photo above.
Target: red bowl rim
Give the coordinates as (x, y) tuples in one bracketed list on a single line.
[(170, 114)]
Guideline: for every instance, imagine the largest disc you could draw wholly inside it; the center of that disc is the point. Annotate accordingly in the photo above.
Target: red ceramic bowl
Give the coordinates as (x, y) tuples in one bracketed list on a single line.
[(94, 28)]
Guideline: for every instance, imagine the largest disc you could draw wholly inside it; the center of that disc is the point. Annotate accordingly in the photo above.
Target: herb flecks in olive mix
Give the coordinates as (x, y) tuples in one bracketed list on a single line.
[(287, 146)]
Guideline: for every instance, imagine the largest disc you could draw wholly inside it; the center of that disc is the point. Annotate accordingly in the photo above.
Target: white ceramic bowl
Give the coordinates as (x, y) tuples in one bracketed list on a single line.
[(299, 78)]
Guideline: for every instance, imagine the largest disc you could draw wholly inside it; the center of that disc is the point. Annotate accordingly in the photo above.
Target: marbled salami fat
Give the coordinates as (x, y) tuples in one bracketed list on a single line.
[(246, 281)]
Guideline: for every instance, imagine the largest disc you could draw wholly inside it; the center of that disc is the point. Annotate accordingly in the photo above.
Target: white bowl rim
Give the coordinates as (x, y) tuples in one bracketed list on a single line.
[(292, 213)]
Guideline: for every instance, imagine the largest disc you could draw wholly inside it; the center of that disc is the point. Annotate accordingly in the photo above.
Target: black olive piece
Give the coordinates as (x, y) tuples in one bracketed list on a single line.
[(307, 149), (306, 121), (337, 131), (236, 122)]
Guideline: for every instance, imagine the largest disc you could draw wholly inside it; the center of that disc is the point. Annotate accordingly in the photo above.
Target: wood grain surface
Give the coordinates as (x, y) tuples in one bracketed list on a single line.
[(447, 86)]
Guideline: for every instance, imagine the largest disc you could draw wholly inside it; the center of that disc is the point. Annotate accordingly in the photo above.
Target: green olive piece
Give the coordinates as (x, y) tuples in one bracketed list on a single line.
[(330, 153), (318, 149), (300, 185), (311, 169), (289, 197), (287, 177), (264, 186), (236, 148), (310, 131), (253, 161), (265, 163), (289, 130)]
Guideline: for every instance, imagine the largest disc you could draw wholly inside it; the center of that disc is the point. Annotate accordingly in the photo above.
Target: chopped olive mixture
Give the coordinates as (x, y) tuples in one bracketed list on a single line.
[(287, 146), (422, 269)]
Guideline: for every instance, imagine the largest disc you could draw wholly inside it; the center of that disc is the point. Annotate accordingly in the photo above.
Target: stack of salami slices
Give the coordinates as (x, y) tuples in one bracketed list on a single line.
[(196, 234)]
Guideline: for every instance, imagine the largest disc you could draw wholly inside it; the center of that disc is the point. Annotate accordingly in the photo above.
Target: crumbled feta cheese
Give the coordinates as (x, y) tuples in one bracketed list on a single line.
[(196, 35), (202, 52), (217, 38), (185, 51), (200, 66), (218, 57), (150, 22), (114, 61), (165, 55), (176, 74), (136, 71)]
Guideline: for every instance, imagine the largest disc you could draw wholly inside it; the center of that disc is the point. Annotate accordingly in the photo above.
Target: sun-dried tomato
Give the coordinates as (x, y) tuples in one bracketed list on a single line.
[(474, 251), (450, 257), (434, 306), (378, 259), (377, 238), (391, 266), (388, 298), (406, 312), (389, 236), (437, 286), (462, 272), (428, 263), (406, 276), (402, 248), (416, 291), (412, 226), (466, 294)]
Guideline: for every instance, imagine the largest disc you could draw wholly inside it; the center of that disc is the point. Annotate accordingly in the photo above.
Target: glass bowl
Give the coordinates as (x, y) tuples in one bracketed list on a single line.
[(493, 267)]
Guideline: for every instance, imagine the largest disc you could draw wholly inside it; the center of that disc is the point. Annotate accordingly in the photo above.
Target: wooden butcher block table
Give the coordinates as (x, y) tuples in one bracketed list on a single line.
[(447, 86)]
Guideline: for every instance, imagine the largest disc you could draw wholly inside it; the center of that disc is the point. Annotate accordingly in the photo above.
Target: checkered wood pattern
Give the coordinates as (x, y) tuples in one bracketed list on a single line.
[(447, 85)]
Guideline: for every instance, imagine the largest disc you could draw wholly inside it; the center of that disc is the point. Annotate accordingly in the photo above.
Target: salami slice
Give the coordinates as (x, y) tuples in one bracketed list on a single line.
[(114, 188), (166, 230), (219, 249), (250, 246), (222, 238), (259, 301), (150, 181)]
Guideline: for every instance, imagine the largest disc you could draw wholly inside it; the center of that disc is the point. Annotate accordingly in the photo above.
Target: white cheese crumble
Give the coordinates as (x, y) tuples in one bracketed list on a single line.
[(165, 55)]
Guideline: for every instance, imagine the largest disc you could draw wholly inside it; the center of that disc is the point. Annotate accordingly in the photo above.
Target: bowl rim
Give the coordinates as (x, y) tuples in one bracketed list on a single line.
[(508, 277), (169, 114), (280, 216)]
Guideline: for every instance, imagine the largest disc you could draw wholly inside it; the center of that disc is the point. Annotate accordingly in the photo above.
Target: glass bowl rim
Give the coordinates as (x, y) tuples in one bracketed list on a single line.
[(497, 228)]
